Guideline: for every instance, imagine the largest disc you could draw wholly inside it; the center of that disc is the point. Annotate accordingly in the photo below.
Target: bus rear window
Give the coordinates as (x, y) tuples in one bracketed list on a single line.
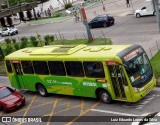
[(94, 69), (9, 68), (41, 67)]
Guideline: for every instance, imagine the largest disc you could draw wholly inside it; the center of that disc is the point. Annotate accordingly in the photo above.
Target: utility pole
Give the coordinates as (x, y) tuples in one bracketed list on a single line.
[(156, 4)]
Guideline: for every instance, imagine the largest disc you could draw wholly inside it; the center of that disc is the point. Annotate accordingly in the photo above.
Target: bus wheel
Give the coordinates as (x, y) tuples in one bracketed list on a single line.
[(41, 90), (105, 97)]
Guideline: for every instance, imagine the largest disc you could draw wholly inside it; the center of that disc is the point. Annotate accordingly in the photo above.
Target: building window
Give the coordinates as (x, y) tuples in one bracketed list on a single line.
[(27, 67), (74, 69), (40, 67), (56, 68), (94, 69)]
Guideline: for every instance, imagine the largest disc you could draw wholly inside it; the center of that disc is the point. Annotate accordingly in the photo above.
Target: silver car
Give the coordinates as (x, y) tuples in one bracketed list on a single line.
[(8, 31)]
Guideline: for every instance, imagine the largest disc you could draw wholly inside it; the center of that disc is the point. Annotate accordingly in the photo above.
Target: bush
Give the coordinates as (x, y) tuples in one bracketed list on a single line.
[(56, 14), (25, 40), (14, 41), (16, 46), (49, 38), (8, 41), (69, 5), (52, 38), (23, 45), (8, 49), (34, 41)]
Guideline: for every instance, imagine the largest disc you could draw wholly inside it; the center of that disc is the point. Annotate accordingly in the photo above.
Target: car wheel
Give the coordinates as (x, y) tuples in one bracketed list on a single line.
[(154, 13), (90, 26), (16, 32), (138, 15), (4, 109), (104, 24), (42, 90), (105, 97), (9, 34), (1, 35)]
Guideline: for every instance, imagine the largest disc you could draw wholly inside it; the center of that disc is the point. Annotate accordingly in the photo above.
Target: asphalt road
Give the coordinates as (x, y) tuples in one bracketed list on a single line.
[(126, 30)]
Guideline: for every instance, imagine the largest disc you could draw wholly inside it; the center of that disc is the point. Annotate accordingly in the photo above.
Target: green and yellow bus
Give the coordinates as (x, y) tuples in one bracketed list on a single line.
[(107, 72)]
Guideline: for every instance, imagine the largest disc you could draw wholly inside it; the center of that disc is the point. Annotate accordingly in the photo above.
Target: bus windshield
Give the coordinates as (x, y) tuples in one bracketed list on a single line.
[(139, 70)]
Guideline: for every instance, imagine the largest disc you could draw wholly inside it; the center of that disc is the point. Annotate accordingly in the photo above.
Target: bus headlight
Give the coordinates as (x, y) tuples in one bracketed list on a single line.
[(136, 89)]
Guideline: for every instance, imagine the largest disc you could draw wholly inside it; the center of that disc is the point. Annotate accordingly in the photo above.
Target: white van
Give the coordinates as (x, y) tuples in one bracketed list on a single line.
[(147, 9)]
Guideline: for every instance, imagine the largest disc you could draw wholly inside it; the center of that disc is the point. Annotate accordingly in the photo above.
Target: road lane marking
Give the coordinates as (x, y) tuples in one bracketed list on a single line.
[(51, 113), (111, 112), (82, 107), (86, 111), (28, 108), (35, 106)]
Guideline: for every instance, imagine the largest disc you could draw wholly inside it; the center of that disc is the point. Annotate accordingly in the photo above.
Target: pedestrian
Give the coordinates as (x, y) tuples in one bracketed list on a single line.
[(104, 8), (49, 12), (38, 14), (127, 3), (46, 13)]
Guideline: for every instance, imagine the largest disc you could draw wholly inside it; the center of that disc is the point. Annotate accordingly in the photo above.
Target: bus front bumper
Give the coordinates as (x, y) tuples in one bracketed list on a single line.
[(144, 90)]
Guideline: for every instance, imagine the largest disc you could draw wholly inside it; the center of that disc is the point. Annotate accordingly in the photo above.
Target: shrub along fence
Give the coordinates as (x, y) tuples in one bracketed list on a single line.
[(11, 45)]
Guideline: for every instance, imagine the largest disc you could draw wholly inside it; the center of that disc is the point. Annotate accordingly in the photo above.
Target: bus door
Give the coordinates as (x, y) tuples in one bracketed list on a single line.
[(18, 73), (119, 81)]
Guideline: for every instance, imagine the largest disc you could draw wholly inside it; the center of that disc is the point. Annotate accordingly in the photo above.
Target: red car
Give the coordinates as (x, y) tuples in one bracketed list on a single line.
[(10, 99)]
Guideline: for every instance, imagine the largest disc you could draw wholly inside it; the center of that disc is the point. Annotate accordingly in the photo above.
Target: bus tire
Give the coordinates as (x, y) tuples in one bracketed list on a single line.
[(105, 97), (41, 90)]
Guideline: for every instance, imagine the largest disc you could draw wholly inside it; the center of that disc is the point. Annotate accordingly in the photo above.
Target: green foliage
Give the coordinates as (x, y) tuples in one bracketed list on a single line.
[(46, 38), (7, 41), (49, 38), (69, 5), (155, 62), (3, 6), (23, 44), (15, 2), (25, 40), (14, 41), (8, 49), (56, 14), (34, 41)]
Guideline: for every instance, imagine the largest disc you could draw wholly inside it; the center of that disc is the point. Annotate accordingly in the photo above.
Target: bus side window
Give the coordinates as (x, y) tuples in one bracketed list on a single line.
[(9, 67), (56, 68), (41, 67), (27, 67), (74, 68), (94, 69)]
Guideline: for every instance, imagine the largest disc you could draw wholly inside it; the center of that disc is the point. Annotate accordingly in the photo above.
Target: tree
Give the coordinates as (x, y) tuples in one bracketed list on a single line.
[(66, 3), (15, 2)]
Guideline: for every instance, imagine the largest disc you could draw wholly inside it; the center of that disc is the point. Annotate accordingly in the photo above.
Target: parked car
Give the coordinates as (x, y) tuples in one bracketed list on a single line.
[(101, 21), (148, 119), (10, 99), (147, 9), (8, 31)]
